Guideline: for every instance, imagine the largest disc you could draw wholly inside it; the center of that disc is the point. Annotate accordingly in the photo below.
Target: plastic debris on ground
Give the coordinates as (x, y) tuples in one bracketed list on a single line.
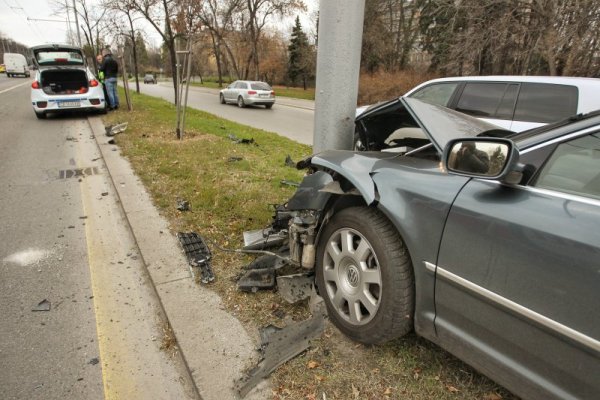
[(183, 205), (259, 274), (296, 287), (198, 255), (237, 140), (113, 130), (43, 305), (279, 345), (271, 237), (289, 183), (289, 162)]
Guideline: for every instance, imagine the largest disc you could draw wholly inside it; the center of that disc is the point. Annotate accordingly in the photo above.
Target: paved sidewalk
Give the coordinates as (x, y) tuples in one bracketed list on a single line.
[(214, 344)]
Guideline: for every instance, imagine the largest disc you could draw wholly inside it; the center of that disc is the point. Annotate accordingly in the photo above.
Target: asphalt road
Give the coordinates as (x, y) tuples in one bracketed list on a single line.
[(66, 249), (291, 118)]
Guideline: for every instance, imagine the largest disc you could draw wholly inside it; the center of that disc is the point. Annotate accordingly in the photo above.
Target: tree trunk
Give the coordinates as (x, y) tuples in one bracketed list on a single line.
[(135, 62), (217, 52)]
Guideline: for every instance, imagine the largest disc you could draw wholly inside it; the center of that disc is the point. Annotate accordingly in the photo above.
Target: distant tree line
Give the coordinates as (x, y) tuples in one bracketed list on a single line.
[(240, 39), (482, 37), (10, 46)]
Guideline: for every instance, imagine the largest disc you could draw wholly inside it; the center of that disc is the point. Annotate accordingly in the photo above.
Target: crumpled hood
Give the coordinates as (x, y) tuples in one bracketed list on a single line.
[(361, 165)]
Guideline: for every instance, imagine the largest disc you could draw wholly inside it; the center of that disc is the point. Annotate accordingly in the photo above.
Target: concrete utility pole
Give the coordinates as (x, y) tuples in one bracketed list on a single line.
[(338, 69)]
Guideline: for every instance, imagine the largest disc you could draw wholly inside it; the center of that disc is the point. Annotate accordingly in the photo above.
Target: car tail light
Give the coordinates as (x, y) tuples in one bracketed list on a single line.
[(272, 93), (42, 104), (35, 85), (251, 91), (93, 83), (94, 102)]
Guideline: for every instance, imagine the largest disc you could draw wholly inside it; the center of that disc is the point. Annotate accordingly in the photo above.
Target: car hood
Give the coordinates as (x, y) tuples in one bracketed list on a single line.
[(440, 124)]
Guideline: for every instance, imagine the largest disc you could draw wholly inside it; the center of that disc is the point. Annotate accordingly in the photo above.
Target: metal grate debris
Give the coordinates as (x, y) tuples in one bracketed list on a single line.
[(198, 254)]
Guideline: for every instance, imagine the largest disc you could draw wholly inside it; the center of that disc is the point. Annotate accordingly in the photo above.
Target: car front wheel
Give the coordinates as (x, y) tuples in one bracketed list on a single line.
[(365, 276), (240, 102), (222, 98)]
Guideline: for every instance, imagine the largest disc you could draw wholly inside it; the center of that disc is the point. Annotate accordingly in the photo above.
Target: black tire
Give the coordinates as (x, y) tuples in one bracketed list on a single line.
[(240, 102), (221, 98), (40, 115), (380, 277), (269, 106)]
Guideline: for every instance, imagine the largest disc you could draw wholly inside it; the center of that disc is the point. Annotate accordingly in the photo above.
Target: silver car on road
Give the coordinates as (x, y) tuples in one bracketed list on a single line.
[(245, 93)]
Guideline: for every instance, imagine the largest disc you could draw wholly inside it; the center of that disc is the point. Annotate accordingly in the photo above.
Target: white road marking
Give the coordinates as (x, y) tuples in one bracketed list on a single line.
[(14, 87)]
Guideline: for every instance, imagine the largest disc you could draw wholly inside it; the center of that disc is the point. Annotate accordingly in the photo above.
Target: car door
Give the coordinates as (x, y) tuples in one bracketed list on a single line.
[(229, 90), (518, 276)]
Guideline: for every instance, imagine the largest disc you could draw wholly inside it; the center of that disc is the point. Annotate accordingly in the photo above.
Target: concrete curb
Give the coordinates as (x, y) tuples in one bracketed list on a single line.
[(214, 345)]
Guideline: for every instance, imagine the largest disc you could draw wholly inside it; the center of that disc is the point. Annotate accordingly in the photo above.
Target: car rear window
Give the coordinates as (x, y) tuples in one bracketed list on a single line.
[(59, 58), (260, 86), (543, 102)]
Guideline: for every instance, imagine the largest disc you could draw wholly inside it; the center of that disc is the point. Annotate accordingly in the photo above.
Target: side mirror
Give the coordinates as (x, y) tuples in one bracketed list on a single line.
[(487, 158)]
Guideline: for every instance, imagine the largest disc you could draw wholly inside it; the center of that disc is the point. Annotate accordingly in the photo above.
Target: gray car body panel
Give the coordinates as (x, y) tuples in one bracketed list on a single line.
[(549, 266)]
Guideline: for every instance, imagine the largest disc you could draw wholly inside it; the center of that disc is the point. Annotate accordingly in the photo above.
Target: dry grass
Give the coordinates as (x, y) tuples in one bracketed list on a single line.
[(228, 198), (382, 86)]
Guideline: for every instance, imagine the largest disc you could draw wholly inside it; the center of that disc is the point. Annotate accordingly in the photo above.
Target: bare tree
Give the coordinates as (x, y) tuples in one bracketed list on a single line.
[(259, 12), (127, 11), (218, 17), (92, 22), (160, 14)]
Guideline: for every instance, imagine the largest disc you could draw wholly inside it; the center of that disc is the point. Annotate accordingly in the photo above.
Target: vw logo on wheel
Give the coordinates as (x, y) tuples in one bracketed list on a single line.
[(353, 276)]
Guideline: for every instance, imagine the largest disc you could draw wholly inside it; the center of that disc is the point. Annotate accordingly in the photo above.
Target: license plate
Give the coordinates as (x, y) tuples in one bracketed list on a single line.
[(67, 104), (263, 95)]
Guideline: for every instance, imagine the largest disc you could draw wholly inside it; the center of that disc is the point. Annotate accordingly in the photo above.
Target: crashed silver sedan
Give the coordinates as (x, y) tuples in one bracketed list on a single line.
[(480, 240)]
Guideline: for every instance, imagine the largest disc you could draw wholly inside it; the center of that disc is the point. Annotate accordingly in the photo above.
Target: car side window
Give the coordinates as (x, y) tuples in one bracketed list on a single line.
[(240, 85), (488, 99), (439, 93), (543, 102), (574, 167)]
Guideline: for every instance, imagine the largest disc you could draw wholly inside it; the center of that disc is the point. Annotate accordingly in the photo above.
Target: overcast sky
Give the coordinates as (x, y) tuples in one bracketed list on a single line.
[(20, 21)]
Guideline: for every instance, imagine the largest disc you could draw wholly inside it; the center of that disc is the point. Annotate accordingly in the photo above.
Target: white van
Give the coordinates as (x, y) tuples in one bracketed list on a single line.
[(516, 103), (16, 64)]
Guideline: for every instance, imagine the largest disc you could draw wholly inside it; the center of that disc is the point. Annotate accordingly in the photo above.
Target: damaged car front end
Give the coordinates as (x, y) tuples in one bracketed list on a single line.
[(354, 217)]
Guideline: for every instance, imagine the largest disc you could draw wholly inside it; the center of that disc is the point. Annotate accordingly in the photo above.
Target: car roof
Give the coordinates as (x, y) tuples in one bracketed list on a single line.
[(559, 80), (55, 46), (240, 80)]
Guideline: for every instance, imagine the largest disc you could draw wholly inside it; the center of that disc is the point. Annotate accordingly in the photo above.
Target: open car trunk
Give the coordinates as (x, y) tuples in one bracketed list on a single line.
[(64, 81)]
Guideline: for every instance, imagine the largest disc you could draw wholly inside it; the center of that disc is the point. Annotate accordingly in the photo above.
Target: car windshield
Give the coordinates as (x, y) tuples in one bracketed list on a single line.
[(59, 58), (260, 86)]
